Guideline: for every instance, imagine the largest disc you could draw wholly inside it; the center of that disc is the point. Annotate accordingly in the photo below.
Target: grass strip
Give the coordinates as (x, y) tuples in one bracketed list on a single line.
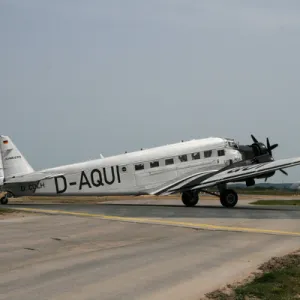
[(276, 202), (4, 211), (278, 279)]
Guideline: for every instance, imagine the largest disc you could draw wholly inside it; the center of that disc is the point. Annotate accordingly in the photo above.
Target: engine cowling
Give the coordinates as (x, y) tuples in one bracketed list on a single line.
[(258, 152), (266, 175), (259, 149)]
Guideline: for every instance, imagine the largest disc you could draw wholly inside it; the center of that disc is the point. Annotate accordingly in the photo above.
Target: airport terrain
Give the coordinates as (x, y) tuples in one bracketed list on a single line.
[(139, 248)]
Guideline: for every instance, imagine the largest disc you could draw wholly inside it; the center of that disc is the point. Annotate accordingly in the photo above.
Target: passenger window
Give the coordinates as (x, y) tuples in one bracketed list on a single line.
[(124, 169), (221, 152), (196, 155), (139, 167), (169, 161), (207, 153), (154, 164), (182, 158)]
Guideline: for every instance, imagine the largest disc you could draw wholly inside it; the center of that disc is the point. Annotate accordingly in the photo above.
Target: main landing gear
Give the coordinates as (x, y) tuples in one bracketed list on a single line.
[(228, 197), (190, 198)]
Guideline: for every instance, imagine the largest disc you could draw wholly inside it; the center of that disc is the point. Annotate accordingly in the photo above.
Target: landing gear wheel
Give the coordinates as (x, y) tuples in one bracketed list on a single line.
[(228, 198), (4, 200), (190, 198)]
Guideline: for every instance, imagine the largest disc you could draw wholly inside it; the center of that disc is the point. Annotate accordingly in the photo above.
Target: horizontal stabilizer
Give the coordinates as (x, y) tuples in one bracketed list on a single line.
[(32, 178)]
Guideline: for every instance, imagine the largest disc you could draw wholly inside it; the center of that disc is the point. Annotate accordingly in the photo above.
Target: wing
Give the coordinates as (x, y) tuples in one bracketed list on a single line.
[(201, 180), (242, 173)]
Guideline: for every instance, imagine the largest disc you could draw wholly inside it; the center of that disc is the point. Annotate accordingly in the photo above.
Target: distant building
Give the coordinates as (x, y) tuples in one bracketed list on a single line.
[(295, 186)]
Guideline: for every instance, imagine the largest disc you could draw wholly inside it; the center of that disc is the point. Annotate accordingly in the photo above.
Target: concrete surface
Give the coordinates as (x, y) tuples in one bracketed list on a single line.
[(80, 257)]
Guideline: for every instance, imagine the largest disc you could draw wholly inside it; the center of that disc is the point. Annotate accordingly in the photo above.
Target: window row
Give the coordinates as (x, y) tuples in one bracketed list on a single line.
[(182, 158)]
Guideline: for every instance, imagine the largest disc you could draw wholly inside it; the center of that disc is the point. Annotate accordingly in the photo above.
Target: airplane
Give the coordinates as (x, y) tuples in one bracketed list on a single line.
[(186, 167)]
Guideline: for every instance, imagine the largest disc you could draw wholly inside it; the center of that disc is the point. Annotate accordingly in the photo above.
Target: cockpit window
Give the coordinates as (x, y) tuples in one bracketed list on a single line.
[(232, 144), (221, 152)]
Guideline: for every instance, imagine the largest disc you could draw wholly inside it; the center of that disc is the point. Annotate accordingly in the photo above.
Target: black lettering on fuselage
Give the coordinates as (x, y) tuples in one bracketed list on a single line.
[(62, 190), (93, 178), (118, 174), (112, 174), (84, 177), (96, 178), (32, 187)]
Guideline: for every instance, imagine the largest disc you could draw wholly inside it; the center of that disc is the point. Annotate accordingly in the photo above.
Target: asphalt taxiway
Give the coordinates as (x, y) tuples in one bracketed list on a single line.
[(139, 249), (208, 215)]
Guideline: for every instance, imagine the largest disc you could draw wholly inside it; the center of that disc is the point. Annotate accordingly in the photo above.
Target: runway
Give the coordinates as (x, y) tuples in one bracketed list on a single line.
[(138, 249), (208, 215)]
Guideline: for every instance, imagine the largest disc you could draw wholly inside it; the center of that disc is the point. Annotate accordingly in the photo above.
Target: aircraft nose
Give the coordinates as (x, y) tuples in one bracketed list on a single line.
[(237, 156)]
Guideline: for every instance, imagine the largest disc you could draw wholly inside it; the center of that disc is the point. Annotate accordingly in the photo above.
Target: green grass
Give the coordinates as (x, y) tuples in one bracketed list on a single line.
[(6, 211), (280, 281), (276, 285), (276, 202), (260, 191)]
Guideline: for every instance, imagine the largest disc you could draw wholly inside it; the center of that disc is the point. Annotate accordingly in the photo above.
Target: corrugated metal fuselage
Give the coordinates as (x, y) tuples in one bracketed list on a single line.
[(133, 173)]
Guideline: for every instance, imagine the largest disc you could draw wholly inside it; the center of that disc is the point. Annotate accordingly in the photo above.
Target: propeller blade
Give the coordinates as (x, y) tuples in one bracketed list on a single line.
[(269, 146), (254, 139), (284, 172), (268, 143), (273, 146)]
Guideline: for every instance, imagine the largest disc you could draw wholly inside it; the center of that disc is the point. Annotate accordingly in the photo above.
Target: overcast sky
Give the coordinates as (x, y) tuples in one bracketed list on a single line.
[(80, 78)]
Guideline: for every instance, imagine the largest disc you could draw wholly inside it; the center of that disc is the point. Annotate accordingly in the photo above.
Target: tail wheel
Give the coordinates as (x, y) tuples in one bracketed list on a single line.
[(190, 198), (228, 198), (4, 200)]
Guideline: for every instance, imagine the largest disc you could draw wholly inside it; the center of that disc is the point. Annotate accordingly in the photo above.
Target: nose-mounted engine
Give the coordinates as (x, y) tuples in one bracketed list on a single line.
[(258, 152), (261, 149)]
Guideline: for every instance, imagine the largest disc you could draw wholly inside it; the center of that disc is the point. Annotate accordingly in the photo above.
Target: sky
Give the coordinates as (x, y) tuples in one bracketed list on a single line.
[(80, 78)]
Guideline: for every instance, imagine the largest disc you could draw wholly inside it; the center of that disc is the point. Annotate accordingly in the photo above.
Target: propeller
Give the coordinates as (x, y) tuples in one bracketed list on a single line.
[(284, 172), (269, 149), (254, 139)]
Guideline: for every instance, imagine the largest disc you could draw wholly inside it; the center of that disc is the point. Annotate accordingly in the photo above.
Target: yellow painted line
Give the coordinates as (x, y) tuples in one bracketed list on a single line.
[(162, 222)]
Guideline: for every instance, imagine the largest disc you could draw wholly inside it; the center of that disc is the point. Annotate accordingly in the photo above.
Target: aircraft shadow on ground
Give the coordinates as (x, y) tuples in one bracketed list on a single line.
[(173, 211)]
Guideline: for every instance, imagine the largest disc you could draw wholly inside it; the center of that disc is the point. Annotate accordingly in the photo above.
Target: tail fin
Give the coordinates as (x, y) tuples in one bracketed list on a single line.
[(1, 172), (14, 163)]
